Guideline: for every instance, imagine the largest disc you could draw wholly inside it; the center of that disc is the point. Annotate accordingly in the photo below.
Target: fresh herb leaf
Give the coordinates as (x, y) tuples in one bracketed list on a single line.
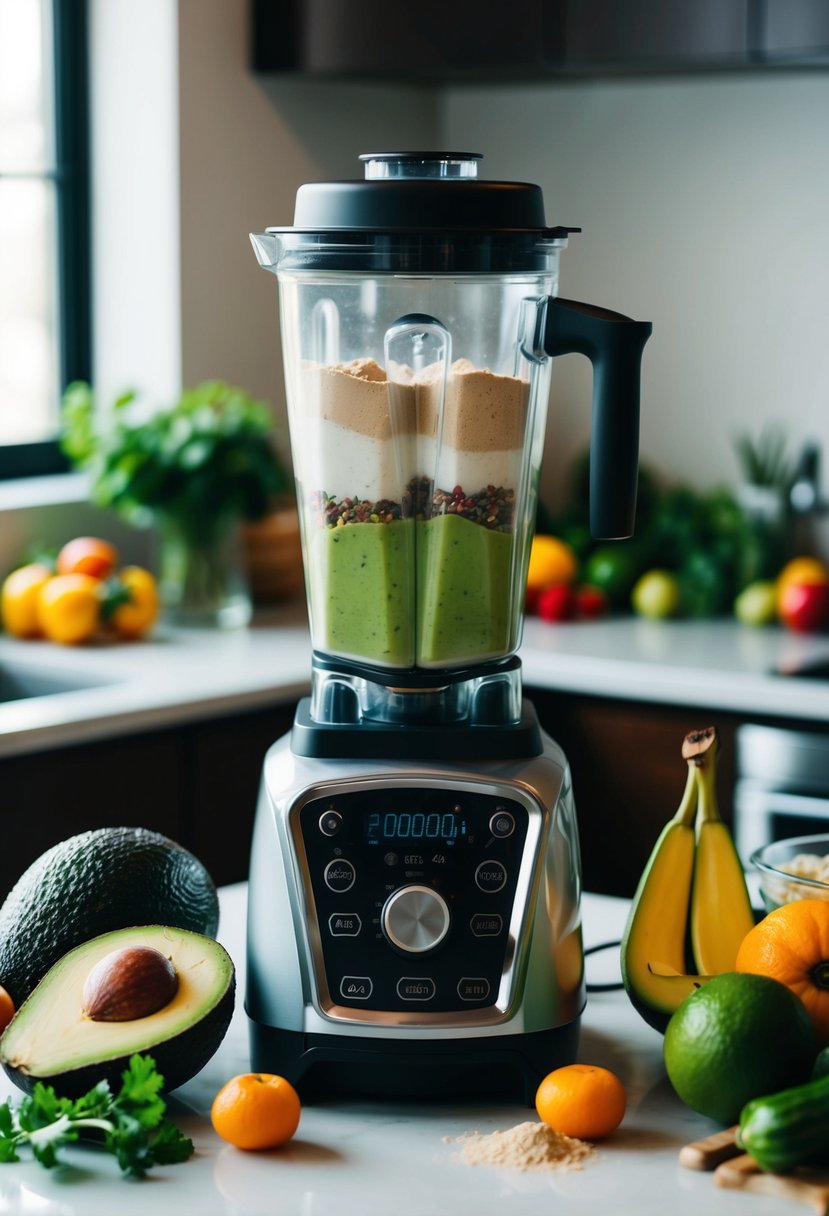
[(169, 1145), (132, 1122)]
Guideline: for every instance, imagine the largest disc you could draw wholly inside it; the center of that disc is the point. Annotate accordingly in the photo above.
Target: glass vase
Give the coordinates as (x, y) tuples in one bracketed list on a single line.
[(202, 578)]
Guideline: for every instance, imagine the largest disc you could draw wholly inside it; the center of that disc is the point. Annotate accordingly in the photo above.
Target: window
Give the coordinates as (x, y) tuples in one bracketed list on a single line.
[(44, 226)]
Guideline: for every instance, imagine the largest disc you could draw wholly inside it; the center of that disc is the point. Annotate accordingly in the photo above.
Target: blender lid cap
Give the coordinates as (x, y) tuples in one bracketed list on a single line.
[(422, 192)]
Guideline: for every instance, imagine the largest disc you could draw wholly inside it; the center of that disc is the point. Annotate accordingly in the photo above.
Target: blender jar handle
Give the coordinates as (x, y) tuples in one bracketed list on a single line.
[(613, 343)]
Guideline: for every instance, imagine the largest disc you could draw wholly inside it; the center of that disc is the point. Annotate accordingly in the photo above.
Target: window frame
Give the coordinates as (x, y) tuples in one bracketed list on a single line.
[(71, 175)]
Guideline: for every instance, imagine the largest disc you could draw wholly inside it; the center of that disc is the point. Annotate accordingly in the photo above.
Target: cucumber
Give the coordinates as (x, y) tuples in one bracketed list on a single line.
[(787, 1129), (821, 1064)]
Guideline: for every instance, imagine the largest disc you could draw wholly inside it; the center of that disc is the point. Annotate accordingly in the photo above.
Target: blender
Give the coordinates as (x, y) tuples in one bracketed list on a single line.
[(414, 899)]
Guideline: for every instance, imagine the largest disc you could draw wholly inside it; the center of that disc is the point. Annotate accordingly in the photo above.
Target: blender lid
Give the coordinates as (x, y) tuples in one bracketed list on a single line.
[(423, 192)]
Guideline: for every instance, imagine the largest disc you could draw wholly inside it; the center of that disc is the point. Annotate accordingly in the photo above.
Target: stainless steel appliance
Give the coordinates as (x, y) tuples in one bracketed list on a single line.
[(781, 787), (415, 884)]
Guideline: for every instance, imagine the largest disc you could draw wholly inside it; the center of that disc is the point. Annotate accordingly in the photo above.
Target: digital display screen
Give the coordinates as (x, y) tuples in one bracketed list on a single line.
[(447, 826)]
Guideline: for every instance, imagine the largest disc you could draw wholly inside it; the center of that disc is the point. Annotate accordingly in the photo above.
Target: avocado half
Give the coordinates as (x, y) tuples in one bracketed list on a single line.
[(51, 1039), (108, 878)]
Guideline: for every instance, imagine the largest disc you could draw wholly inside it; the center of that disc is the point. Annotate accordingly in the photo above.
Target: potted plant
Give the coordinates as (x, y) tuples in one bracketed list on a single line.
[(193, 470)]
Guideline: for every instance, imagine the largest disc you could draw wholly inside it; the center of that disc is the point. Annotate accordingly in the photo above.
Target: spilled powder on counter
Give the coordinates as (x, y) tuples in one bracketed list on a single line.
[(526, 1146)]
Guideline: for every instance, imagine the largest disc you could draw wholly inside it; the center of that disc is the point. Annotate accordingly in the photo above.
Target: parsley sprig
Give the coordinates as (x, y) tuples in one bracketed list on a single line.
[(132, 1122)]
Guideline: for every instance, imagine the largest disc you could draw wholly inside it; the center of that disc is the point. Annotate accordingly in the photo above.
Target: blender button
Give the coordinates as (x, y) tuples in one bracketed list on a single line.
[(491, 876), (415, 988), (340, 875), (473, 988), (330, 823), (356, 987), (502, 824), (486, 924), (344, 924)]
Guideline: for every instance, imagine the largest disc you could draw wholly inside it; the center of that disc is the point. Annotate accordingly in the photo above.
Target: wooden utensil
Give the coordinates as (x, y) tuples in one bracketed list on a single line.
[(735, 1170), (707, 1154), (743, 1173)]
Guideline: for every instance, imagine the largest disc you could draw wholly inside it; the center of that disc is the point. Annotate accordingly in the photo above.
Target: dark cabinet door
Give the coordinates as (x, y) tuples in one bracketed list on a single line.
[(793, 31), (45, 797), (428, 40), (650, 34)]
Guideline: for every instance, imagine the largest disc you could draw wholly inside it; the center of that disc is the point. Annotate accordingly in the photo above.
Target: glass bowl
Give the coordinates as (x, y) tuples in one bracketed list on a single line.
[(797, 868)]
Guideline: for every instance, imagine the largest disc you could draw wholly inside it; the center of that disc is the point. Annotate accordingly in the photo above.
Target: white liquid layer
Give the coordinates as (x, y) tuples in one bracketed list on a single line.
[(346, 464)]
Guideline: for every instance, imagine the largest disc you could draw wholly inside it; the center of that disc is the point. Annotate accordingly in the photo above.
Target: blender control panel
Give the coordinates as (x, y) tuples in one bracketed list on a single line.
[(413, 890)]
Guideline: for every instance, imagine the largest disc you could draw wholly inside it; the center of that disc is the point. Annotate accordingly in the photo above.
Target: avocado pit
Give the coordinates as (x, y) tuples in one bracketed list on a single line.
[(129, 983)]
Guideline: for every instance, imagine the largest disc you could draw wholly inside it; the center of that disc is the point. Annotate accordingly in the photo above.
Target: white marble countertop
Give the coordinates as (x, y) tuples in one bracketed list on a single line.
[(183, 675), (364, 1158)]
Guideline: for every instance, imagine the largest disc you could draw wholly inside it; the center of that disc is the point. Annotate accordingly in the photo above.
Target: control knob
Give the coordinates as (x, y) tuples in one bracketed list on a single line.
[(415, 919)]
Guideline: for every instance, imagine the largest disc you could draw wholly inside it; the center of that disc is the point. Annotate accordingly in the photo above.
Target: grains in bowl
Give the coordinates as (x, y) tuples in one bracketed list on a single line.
[(803, 865)]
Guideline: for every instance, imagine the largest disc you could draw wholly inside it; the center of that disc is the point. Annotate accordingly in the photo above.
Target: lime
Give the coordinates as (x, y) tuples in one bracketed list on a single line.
[(613, 568), (656, 594), (757, 604), (737, 1037)]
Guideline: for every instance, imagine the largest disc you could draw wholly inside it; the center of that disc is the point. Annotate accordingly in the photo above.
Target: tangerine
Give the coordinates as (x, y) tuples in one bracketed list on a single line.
[(137, 611), (256, 1110), (791, 945), (581, 1100), (68, 608), (87, 555), (18, 600), (551, 561)]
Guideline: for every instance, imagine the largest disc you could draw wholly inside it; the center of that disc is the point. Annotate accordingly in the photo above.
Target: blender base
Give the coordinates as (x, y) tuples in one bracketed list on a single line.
[(505, 1066)]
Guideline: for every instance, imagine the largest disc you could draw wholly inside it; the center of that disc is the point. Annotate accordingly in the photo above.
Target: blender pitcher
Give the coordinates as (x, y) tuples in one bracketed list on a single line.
[(416, 840), (419, 314)]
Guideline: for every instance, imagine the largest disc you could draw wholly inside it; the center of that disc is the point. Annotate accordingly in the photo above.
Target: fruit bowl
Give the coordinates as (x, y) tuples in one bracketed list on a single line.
[(797, 868)]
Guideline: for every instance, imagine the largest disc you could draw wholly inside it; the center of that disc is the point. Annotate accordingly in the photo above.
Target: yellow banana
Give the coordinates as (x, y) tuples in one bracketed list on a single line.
[(721, 912), (653, 945)]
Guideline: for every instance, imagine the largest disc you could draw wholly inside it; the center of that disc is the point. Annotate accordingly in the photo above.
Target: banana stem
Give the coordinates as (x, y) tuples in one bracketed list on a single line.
[(687, 810), (706, 782)]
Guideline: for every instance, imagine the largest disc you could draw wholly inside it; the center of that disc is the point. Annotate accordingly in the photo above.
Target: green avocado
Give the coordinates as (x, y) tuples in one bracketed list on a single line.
[(54, 1038), (109, 878)]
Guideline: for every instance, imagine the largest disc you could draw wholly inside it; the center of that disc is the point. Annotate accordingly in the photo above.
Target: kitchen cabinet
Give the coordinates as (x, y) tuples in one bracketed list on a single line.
[(628, 776), (649, 35), (196, 783), (793, 31), (436, 43)]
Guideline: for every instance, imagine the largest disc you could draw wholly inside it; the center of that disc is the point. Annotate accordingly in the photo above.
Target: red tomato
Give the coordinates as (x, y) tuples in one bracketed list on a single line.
[(804, 607), (557, 603), (591, 602)]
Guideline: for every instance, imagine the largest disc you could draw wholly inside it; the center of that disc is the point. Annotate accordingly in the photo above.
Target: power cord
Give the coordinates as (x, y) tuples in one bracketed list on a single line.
[(614, 987)]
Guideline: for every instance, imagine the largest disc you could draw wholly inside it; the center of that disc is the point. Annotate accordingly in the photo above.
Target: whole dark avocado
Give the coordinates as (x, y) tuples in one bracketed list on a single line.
[(59, 1037), (101, 880)]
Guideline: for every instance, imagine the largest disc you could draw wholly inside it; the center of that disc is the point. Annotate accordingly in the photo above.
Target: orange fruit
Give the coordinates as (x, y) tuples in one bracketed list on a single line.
[(551, 561), (802, 570), (791, 945), (138, 612), (581, 1100), (6, 1009), (18, 599), (87, 555), (68, 608), (256, 1110)]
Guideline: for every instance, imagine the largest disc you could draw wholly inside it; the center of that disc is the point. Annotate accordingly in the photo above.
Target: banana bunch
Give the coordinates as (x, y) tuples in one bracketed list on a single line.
[(692, 901)]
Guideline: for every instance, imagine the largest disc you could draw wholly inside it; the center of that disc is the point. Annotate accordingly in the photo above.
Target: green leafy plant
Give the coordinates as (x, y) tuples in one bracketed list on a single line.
[(131, 1124), (205, 459), (765, 461)]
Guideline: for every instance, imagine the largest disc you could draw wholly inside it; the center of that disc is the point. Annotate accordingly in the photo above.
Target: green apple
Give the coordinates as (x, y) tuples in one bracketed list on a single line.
[(656, 594), (757, 603)]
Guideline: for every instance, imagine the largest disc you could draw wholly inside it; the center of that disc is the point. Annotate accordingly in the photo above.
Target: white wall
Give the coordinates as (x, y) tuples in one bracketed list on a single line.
[(704, 203), (246, 145), (705, 208)]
